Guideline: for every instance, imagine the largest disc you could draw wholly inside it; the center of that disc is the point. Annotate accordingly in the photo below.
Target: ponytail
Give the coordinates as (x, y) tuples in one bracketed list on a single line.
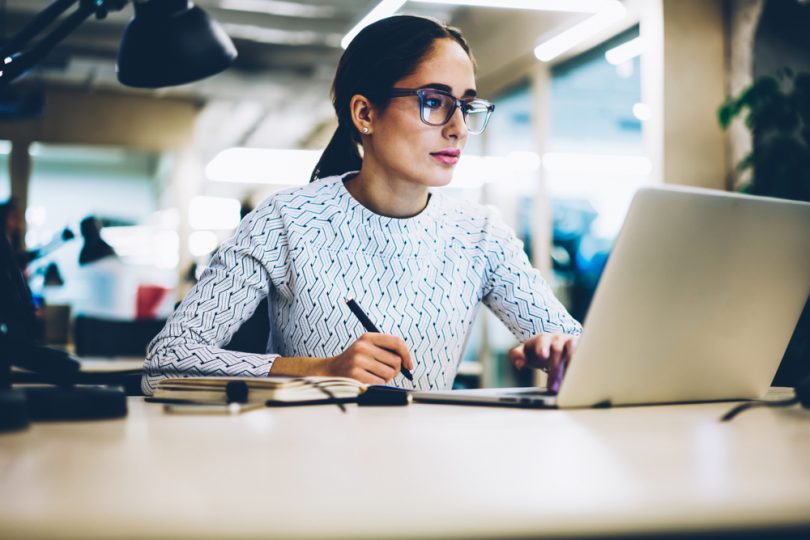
[(340, 155)]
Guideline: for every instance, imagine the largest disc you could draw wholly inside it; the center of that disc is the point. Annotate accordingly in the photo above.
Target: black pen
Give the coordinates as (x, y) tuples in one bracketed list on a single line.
[(369, 326)]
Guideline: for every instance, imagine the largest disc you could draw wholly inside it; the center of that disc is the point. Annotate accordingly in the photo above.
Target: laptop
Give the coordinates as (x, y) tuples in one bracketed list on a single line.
[(698, 301)]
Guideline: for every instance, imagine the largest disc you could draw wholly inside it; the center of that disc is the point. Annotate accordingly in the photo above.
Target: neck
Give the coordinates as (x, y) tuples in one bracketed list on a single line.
[(387, 196)]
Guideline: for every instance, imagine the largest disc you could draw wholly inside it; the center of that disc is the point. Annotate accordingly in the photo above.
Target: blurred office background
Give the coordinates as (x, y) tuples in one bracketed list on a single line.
[(595, 98)]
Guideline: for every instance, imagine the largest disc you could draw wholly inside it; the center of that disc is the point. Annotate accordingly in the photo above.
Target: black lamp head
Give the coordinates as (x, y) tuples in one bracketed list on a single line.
[(171, 42)]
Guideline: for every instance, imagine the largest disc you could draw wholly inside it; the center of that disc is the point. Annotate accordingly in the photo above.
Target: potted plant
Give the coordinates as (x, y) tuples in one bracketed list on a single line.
[(777, 111)]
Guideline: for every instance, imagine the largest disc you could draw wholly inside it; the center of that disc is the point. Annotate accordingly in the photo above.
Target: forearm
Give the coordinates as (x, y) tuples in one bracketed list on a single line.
[(300, 366)]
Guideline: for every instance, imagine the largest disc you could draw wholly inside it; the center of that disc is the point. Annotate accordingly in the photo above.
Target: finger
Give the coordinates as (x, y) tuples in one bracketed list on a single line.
[(518, 357), (365, 377), (385, 356), (570, 347), (379, 369), (394, 344), (556, 349), (555, 376), (370, 378), (539, 352)]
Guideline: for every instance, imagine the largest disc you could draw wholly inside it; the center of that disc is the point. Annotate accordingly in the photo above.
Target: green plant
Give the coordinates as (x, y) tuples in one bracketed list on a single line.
[(778, 115)]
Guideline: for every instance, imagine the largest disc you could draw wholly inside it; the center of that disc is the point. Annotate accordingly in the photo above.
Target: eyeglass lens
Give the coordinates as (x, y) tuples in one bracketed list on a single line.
[(438, 108)]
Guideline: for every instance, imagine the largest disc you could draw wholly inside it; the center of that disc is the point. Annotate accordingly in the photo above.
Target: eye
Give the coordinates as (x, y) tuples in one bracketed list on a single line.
[(434, 101)]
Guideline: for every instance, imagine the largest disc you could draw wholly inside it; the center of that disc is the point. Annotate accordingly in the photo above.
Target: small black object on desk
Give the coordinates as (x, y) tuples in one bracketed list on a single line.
[(378, 395), (18, 331)]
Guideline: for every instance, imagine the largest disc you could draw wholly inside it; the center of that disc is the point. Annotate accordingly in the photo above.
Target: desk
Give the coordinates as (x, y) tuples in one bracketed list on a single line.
[(423, 470)]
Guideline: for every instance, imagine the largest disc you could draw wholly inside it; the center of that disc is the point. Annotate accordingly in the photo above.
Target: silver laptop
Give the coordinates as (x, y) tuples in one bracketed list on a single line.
[(698, 302)]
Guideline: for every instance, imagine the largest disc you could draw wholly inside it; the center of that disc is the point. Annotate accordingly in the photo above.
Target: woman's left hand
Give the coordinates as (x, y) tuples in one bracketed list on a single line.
[(549, 352)]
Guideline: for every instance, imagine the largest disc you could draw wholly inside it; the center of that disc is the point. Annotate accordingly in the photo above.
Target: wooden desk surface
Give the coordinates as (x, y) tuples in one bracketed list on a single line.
[(423, 470)]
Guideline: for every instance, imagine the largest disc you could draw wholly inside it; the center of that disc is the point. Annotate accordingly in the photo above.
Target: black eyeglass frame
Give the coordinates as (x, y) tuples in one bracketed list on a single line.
[(463, 104)]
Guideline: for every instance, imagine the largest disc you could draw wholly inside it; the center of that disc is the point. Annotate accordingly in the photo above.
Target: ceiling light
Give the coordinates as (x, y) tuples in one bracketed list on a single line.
[(611, 12), (384, 9), (586, 6), (263, 166), (202, 243), (278, 36), (280, 8), (624, 52), (213, 213)]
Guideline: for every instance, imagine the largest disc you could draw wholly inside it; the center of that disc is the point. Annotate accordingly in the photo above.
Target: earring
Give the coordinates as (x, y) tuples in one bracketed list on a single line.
[(365, 131)]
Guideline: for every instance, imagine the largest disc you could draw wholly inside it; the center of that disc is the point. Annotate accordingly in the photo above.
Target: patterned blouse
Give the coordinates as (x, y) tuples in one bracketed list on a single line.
[(308, 248)]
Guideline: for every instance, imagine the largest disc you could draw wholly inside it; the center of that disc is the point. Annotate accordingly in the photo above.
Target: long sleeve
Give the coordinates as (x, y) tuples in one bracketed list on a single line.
[(240, 275), (516, 292)]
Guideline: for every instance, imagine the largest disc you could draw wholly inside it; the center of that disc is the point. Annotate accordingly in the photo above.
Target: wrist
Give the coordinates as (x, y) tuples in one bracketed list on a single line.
[(299, 366)]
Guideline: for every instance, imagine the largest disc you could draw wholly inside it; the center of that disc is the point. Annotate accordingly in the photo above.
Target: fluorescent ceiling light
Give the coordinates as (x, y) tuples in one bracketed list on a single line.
[(612, 11), (382, 10), (213, 213), (596, 164), (624, 52), (202, 243), (279, 36), (144, 245), (263, 166), (585, 6), (280, 8)]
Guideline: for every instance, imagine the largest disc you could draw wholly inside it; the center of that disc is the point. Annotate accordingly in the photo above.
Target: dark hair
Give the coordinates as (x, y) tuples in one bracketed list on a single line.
[(380, 55)]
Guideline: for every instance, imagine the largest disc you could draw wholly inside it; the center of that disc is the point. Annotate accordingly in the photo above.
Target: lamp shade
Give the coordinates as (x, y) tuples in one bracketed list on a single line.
[(170, 42)]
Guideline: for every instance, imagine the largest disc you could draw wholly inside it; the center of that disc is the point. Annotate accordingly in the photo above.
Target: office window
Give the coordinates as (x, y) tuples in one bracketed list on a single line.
[(508, 173), (594, 161)]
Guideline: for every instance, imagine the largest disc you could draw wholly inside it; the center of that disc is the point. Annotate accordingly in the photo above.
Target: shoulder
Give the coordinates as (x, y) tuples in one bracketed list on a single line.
[(309, 196)]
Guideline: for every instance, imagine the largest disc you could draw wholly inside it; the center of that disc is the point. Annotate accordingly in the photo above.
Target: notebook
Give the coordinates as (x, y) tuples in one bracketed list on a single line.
[(698, 302), (274, 389)]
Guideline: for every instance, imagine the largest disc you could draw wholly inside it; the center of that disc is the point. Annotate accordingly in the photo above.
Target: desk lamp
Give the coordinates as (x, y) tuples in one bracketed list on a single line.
[(166, 43)]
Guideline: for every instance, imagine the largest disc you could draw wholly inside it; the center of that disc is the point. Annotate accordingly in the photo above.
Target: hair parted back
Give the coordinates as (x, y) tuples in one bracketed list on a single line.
[(380, 55)]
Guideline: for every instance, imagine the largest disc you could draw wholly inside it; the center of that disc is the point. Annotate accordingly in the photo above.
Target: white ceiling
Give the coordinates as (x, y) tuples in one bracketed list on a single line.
[(276, 93)]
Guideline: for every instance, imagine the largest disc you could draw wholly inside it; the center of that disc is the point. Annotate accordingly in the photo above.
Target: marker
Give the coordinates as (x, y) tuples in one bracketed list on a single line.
[(369, 326)]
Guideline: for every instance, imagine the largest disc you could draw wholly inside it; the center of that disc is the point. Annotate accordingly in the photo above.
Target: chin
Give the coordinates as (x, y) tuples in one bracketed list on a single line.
[(439, 179)]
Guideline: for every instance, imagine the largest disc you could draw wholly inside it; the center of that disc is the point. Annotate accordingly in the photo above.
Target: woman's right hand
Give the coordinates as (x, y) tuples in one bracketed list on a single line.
[(372, 359)]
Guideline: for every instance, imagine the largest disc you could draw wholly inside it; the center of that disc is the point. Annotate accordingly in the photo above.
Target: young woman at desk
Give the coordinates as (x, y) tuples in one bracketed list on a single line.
[(368, 226)]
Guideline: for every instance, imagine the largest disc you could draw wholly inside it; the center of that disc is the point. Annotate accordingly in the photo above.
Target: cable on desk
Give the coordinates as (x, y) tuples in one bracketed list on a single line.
[(751, 404), (802, 396)]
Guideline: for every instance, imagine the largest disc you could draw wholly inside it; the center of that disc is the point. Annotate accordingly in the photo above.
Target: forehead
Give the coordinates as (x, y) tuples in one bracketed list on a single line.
[(446, 63)]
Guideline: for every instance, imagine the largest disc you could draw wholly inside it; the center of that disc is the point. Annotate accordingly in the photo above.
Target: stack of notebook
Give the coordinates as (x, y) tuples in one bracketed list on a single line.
[(273, 390)]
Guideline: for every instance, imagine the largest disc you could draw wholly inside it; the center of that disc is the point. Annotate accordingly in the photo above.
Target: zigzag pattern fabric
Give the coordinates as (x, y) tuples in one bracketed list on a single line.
[(308, 248)]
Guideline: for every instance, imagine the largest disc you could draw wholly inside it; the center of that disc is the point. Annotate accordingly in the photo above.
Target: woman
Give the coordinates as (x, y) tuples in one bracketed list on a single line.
[(419, 263)]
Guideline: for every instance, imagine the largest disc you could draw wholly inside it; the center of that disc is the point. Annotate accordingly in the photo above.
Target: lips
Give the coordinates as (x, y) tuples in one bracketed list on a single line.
[(448, 156)]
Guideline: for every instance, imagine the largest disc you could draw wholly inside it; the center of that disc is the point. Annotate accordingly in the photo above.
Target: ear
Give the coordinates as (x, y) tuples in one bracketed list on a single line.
[(363, 113)]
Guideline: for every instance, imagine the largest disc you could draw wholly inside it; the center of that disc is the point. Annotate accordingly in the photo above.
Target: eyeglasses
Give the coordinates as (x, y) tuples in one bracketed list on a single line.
[(437, 107)]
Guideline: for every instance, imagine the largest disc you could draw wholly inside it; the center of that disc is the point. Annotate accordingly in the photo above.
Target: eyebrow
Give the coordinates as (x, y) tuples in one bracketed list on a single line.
[(439, 86)]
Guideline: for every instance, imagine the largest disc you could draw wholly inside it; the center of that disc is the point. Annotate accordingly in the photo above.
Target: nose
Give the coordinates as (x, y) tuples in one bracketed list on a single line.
[(456, 128)]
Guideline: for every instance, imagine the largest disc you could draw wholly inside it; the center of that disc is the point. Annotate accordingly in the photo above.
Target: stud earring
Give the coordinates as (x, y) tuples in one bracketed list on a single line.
[(365, 131)]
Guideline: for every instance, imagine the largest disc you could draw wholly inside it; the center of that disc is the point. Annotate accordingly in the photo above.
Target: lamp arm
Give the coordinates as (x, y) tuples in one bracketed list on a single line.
[(15, 61), (35, 26)]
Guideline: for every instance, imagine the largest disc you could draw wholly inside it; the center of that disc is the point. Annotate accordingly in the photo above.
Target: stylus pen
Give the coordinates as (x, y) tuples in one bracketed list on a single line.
[(369, 326)]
